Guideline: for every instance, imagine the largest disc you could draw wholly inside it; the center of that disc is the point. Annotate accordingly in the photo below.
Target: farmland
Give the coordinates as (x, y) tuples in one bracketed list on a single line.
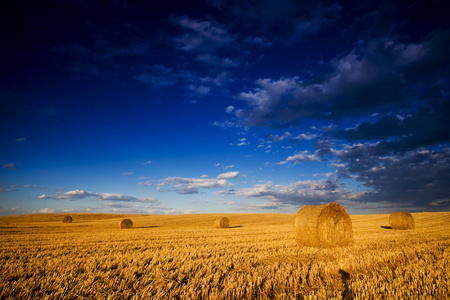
[(186, 257)]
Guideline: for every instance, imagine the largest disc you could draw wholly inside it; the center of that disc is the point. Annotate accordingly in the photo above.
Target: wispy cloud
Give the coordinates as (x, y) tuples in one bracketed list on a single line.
[(81, 194), (200, 36), (10, 166)]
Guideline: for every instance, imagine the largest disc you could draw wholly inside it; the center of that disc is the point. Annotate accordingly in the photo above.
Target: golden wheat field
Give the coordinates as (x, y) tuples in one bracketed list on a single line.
[(186, 257)]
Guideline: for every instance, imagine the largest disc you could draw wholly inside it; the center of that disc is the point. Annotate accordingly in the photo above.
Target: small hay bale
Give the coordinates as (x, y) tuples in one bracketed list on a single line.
[(401, 220), (126, 223), (222, 223), (323, 226), (67, 219)]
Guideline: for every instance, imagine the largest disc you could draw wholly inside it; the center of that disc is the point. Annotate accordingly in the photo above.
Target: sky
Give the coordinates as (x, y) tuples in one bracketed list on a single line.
[(124, 106)]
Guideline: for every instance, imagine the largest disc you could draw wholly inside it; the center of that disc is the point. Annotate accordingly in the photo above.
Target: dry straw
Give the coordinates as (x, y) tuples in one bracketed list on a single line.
[(323, 226), (401, 220), (222, 223), (67, 219), (126, 223)]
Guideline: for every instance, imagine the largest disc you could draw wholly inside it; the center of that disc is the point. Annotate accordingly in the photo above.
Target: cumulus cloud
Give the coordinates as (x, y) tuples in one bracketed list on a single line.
[(303, 156), (81, 194), (293, 139), (417, 177), (228, 175), (299, 193), (375, 80), (191, 185)]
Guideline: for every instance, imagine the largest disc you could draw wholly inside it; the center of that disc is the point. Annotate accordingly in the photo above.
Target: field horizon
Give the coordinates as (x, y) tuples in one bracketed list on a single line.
[(186, 257)]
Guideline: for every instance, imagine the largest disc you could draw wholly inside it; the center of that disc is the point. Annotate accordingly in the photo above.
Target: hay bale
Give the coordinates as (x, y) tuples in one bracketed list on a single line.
[(222, 223), (323, 226), (126, 223), (67, 219), (401, 220)]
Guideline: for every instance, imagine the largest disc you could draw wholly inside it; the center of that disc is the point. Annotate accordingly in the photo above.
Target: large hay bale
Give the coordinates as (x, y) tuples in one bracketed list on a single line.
[(401, 220), (222, 223), (323, 226), (67, 219), (126, 223)]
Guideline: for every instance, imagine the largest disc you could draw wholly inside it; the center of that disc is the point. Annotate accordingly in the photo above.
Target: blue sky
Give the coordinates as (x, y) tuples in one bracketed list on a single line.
[(224, 106)]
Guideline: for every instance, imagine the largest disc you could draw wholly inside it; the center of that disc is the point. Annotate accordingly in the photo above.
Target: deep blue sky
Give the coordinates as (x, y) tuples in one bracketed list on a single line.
[(224, 106)]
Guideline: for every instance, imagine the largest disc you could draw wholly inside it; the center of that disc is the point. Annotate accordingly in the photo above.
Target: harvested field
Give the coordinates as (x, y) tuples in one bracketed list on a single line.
[(184, 257)]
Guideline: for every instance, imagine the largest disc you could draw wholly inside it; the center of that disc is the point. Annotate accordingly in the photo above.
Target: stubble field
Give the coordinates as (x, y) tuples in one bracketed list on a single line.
[(186, 257)]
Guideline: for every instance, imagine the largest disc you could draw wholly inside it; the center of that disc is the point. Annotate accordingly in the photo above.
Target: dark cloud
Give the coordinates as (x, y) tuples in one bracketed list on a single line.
[(374, 81), (421, 127), (299, 193), (200, 36), (419, 177), (283, 23)]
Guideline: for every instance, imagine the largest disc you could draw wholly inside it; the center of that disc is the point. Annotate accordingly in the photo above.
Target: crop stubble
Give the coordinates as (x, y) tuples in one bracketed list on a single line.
[(183, 257)]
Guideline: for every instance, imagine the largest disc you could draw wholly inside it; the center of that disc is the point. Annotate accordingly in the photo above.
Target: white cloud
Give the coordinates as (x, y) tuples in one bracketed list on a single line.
[(191, 185), (228, 175), (44, 211), (229, 109), (301, 157), (243, 142), (81, 194), (300, 192)]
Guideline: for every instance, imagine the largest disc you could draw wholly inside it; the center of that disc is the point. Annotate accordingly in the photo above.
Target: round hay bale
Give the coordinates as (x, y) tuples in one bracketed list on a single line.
[(67, 219), (401, 220), (126, 223), (323, 226), (222, 223)]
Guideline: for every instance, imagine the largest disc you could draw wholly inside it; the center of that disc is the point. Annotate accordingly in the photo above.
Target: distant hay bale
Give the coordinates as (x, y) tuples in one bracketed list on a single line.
[(222, 223), (126, 223), (401, 220), (323, 226), (67, 219)]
